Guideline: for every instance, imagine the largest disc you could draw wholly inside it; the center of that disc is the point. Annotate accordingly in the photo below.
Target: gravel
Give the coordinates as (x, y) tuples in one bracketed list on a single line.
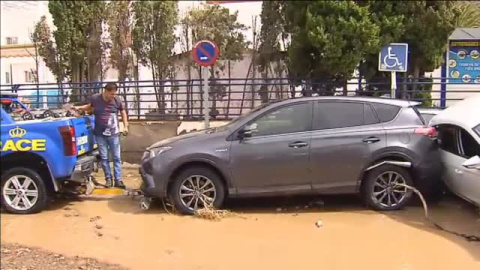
[(17, 257)]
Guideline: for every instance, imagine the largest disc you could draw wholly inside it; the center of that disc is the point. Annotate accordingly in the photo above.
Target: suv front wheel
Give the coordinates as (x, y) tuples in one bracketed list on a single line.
[(196, 188), (383, 188)]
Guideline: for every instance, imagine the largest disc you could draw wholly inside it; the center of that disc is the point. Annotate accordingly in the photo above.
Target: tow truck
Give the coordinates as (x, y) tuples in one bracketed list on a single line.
[(44, 157)]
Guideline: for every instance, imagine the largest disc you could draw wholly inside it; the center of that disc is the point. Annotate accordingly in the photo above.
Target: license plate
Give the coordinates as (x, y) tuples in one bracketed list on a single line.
[(82, 140)]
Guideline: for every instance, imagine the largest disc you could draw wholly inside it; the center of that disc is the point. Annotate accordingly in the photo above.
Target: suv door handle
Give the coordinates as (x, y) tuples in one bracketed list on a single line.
[(371, 140), (298, 144)]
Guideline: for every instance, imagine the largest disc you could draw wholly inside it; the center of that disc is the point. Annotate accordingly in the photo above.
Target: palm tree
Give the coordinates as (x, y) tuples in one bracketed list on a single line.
[(469, 14)]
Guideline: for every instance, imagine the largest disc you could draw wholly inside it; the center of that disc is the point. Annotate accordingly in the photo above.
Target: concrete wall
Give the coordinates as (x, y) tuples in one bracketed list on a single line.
[(143, 134)]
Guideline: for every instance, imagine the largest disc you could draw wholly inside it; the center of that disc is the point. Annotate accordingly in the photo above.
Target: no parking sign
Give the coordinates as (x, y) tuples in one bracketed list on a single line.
[(205, 53)]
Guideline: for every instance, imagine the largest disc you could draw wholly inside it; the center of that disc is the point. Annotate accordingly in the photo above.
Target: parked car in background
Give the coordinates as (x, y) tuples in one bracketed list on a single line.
[(320, 145), (459, 137)]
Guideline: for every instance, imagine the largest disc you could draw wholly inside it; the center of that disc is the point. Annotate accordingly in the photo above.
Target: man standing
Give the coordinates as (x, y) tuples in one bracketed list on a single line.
[(106, 106)]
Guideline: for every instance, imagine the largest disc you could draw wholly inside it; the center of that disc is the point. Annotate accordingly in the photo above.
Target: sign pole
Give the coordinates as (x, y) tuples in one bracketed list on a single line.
[(205, 53), (393, 84), (206, 103), (393, 58)]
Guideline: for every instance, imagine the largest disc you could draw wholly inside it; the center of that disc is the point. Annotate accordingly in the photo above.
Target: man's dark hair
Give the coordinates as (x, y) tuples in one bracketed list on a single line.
[(111, 86)]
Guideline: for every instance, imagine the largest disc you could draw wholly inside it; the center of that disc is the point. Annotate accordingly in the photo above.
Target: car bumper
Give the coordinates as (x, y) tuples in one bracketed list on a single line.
[(84, 167), (154, 181)]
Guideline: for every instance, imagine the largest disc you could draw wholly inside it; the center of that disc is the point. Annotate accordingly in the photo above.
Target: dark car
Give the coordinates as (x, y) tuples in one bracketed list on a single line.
[(321, 145)]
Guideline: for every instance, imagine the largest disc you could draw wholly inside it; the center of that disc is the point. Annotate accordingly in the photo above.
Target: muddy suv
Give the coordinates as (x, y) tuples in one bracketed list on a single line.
[(321, 145)]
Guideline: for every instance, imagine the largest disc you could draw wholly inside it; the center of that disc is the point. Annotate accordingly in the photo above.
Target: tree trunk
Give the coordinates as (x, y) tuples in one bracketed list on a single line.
[(189, 88), (37, 77), (245, 87), (154, 79), (229, 98), (416, 75), (162, 92), (137, 90), (404, 85), (345, 87), (213, 92), (360, 78)]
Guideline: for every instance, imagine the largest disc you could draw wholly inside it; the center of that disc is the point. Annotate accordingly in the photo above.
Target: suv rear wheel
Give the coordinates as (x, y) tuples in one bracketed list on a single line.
[(196, 188), (383, 188), (23, 191)]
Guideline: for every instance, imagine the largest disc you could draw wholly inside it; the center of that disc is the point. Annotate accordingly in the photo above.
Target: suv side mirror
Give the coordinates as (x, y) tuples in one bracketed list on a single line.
[(472, 163), (245, 132)]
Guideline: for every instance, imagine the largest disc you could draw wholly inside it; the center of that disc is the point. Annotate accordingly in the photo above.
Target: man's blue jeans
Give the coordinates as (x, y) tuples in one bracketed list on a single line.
[(110, 144)]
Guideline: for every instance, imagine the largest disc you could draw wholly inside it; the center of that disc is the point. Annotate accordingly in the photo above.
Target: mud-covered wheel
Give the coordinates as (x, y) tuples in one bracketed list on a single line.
[(197, 188), (383, 188), (27, 116), (23, 191)]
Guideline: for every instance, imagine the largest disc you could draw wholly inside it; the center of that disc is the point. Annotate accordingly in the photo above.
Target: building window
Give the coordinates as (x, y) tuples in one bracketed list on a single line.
[(30, 76), (12, 40), (7, 77)]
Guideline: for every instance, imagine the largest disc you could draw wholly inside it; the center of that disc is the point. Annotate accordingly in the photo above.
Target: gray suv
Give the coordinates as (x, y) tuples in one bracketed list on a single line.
[(321, 145)]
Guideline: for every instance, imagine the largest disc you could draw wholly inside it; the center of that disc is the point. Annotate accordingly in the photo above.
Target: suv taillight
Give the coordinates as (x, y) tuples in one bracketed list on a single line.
[(426, 131), (69, 141)]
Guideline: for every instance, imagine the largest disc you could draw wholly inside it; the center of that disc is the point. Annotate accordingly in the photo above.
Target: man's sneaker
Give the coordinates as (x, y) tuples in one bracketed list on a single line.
[(109, 183), (119, 184)]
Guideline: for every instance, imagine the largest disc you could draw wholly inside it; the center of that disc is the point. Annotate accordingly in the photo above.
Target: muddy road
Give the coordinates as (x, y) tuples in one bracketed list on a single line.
[(278, 233)]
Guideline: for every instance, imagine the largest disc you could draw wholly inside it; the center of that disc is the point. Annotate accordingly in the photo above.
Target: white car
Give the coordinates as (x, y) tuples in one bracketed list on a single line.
[(458, 129)]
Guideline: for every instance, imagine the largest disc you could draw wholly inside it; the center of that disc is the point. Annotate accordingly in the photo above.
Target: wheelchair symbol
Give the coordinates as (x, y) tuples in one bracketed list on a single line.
[(391, 60)]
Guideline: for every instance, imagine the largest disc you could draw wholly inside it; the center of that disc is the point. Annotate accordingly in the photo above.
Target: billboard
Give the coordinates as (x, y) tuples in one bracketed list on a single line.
[(464, 61)]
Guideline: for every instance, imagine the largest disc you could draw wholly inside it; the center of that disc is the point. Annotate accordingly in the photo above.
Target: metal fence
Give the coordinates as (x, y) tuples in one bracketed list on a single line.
[(231, 97)]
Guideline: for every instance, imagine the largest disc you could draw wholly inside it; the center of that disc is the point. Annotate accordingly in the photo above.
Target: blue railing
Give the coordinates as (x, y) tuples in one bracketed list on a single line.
[(231, 97)]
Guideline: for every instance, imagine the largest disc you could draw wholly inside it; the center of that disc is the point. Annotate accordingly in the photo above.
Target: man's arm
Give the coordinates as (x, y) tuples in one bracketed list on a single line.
[(125, 121), (124, 116), (85, 107)]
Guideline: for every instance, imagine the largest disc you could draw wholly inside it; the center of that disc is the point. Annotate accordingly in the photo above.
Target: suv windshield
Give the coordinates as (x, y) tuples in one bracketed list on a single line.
[(477, 129)]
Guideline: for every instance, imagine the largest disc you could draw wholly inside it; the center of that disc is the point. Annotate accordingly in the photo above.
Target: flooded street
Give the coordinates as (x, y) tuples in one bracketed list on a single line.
[(278, 233)]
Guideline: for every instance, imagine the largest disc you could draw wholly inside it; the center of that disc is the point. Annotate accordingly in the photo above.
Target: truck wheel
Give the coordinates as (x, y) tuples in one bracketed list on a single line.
[(196, 188), (381, 190), (23, 191)]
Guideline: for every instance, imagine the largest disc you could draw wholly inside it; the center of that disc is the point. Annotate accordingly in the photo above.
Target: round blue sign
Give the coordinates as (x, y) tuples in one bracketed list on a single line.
[(205, 53)]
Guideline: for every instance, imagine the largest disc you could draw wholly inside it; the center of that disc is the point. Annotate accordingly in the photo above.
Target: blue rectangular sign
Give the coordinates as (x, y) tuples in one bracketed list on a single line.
[(464, 61), (393, 57)]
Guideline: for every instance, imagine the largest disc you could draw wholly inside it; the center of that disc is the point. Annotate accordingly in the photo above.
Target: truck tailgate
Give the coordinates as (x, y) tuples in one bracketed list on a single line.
[(84, 134)]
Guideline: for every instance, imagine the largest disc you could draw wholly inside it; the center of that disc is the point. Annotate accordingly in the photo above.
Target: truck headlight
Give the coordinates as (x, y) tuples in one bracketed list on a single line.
[(158, 150)]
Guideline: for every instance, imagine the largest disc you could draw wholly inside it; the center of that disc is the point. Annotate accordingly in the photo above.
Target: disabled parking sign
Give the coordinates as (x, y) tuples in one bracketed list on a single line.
[(393, 58)]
